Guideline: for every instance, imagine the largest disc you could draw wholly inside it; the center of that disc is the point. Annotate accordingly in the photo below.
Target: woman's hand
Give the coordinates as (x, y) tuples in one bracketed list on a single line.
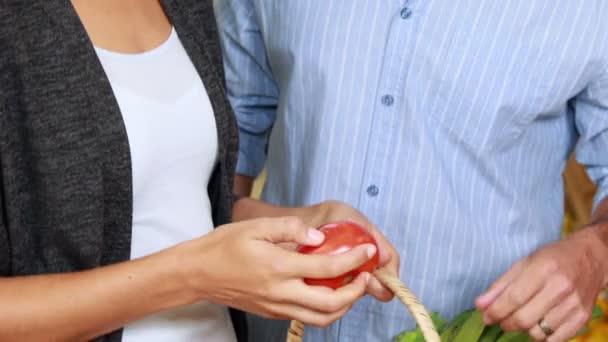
[(331, 211), (317, 215), (241, 265)]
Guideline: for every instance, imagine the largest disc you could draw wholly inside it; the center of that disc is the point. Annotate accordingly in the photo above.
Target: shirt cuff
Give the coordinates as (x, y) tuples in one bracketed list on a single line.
[(601, 194)]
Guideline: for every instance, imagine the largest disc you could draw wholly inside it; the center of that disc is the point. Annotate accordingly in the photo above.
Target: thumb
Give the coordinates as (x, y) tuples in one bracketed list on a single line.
[(384, 247), (288, 230), (357, 287)]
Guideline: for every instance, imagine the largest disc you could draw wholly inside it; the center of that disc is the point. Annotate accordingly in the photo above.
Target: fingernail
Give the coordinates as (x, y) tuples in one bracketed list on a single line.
[(479, 303), (371, 251), (486, 298), (315, 235)]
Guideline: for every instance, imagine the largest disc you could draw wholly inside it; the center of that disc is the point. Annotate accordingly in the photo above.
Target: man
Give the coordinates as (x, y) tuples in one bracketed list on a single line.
[(448, 124)]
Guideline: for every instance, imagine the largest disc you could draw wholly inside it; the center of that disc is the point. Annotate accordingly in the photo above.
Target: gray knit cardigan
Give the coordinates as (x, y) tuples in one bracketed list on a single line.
[(65, 172)]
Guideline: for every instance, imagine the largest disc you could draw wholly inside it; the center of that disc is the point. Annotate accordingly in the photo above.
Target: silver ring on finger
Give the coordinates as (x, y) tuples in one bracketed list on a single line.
[(545, 327), (537, 334)]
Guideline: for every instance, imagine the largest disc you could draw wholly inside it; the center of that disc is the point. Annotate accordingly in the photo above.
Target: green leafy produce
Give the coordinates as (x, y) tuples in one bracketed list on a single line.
[(491, 334), (515, 337), (471, 329), (438, 321), (597, 313), (408, 336), (416, 335), (452, 329), (468, 327)]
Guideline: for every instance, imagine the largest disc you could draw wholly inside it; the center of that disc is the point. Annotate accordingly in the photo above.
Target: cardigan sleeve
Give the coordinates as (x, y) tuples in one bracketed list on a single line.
[(4, 242), (4, 236), (5, 74)]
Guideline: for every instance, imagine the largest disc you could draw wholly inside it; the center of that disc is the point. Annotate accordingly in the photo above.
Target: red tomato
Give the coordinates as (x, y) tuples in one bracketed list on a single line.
[(339, 238)]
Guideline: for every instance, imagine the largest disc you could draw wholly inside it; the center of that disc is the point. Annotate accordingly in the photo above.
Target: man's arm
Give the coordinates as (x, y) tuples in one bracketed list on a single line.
[(251, 89), (591, 114), (243, 185)]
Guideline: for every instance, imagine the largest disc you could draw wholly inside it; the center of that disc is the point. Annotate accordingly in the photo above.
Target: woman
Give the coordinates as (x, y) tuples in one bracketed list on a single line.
[(117, 150)]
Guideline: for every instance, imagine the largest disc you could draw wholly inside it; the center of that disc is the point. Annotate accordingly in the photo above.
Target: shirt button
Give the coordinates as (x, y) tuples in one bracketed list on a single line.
[(373, 190), (387, 100), (406, 13)]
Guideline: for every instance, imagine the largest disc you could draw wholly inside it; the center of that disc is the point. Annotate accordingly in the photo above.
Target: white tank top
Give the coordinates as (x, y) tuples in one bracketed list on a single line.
[(173, 141)]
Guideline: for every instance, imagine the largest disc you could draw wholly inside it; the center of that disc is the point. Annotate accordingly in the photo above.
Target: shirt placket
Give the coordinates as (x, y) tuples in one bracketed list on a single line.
[(388, 111), (389, 104)]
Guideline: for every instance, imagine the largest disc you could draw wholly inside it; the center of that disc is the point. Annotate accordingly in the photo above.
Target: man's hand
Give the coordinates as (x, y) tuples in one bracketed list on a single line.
[(555, 288), (332, 211)]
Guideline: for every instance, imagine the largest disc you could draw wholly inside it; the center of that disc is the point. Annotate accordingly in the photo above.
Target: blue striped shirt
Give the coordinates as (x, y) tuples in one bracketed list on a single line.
[(448, 123)]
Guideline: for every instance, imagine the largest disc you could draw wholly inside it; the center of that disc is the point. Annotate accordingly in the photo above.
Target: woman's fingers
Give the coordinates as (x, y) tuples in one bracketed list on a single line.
[(379, 291), (318, 266), (321, 298), (287, 230), (317, 305)]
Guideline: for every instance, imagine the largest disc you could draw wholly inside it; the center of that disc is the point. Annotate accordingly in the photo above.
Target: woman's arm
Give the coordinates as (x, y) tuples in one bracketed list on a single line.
[(82, 305), (238, 265)]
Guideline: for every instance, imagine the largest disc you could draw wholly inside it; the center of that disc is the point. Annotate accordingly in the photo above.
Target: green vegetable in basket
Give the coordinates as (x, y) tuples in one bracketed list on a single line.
[(438, 321), (514, 337), (597, 313), (408, 336), (452, 329), (468, 327), (471, 329), (491, 334), (416, 335)]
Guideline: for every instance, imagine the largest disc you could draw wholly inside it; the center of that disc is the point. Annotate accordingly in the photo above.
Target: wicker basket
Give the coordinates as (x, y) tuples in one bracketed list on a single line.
[(417, 310)]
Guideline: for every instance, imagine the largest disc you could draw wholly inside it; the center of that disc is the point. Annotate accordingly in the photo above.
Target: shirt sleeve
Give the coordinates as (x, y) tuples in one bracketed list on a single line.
[(591, 118), (251, 89)]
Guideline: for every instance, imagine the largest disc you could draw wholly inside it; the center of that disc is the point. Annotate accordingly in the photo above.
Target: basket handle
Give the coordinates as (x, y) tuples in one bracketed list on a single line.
[(405, 295)]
